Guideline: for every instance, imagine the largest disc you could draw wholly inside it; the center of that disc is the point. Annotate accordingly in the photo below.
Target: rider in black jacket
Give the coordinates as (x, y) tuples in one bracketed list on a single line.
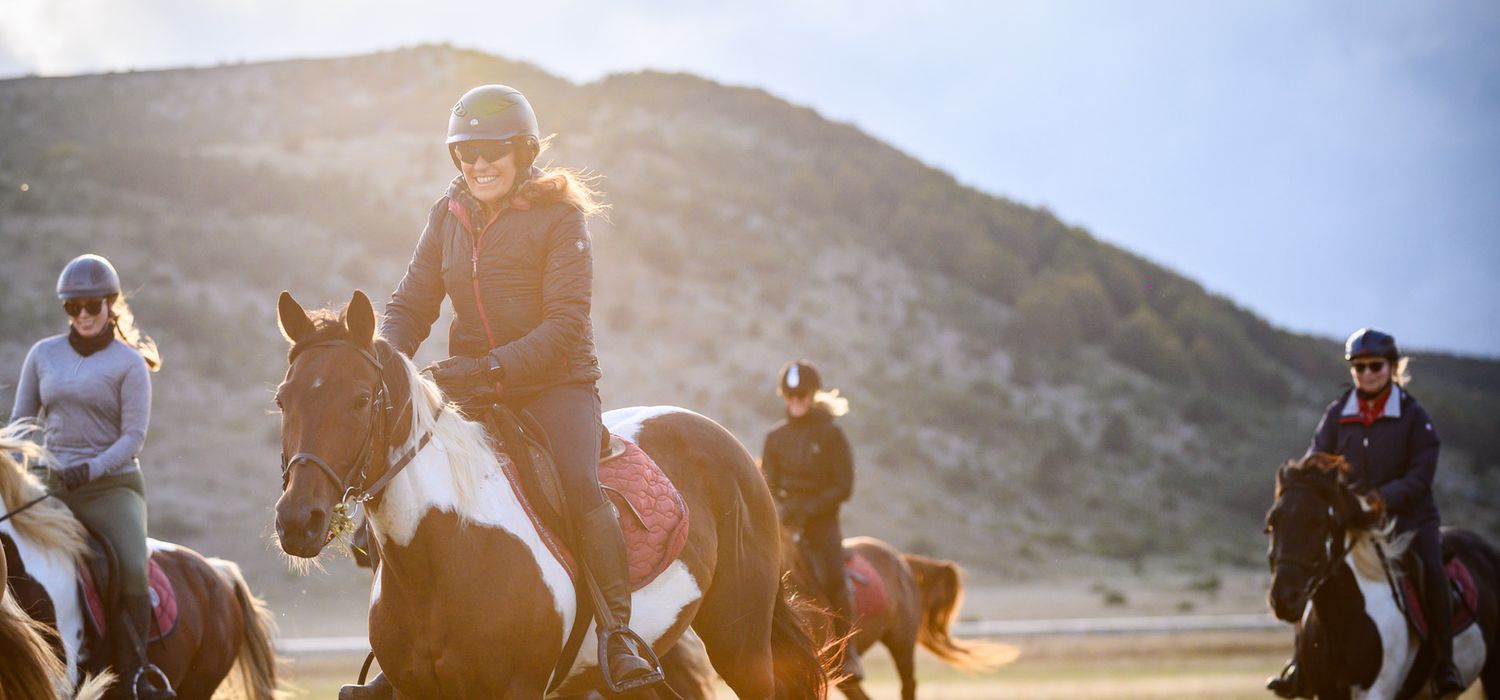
[(810, 469), (1392, 449)]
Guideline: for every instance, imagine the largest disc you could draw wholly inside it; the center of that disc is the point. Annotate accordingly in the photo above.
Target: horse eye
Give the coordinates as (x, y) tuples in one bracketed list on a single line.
[(361, 402)]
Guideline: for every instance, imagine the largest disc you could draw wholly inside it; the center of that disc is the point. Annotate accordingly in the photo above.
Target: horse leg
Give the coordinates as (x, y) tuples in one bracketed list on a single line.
[(734, 624), (903, 648)]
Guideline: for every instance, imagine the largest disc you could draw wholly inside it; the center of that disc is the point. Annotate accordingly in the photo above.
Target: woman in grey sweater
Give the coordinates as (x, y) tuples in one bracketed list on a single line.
[(91, 391)]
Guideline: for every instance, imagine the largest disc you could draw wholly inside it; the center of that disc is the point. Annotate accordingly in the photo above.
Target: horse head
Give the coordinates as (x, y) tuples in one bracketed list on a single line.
[(332, 403), (1315, 507)]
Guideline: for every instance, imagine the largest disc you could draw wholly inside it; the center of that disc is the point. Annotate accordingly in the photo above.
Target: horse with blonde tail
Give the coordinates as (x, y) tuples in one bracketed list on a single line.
[(217, 626), (903, 600), (473, 596)]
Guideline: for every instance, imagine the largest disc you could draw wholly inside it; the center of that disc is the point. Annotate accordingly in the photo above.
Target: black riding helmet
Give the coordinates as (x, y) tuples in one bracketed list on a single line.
[(799, 378), (495, 113), (88, 276), (1368, 342)]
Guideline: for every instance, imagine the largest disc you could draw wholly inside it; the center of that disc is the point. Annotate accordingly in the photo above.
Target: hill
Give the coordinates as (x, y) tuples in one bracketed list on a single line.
[(1024, 395)]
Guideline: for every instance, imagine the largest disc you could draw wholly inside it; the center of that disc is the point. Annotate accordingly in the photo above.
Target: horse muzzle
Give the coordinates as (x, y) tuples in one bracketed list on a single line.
[(301, 528), (1287, 601)]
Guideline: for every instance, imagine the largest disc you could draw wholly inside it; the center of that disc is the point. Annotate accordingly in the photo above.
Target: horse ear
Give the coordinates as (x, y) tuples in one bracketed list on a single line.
[(360, 318), (292, 318)]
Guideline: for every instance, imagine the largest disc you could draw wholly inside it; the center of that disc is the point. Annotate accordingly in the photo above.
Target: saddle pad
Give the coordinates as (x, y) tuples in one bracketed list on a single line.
[(163, 601), (1465, 599), (653, 516), (869, 589)]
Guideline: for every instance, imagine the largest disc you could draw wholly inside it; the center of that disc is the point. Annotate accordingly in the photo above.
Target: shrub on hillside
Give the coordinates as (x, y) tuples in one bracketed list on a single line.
[(1062, 311), (1147, 343)]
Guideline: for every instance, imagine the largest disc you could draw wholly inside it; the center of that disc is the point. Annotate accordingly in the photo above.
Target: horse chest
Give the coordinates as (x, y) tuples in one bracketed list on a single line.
[(53, 576)]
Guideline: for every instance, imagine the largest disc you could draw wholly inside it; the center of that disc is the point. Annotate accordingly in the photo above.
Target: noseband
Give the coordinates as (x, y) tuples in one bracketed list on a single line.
[(1334, 547), (354, 484)]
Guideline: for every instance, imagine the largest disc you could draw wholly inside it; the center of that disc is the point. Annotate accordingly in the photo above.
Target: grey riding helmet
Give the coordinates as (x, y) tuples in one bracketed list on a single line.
[(1368, 342), (88, 276), (495, 113), (799, 378)]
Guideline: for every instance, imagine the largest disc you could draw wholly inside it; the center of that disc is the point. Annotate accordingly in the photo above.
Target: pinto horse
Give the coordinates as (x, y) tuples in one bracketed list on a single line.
[(468, 600), (1336, 568), (220, 624), (922, 597)]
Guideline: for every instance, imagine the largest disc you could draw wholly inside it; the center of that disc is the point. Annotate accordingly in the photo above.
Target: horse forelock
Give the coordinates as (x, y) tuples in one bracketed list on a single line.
[(328, 324), (49, 523)]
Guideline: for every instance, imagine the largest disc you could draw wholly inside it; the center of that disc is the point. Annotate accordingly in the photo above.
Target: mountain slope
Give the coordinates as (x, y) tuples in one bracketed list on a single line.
[(1022, 393)]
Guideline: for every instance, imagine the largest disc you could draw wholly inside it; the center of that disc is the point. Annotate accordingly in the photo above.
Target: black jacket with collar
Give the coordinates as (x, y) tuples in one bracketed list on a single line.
[(1397, 454), (521, 288), (808, 465)]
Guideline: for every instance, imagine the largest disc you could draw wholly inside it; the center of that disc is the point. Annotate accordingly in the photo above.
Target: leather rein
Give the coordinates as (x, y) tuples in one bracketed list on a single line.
[(1335, 545), (354, 485)]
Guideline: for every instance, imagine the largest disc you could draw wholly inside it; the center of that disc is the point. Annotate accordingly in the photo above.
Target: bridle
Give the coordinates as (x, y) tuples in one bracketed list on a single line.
[(354, 486), (1335, 546)]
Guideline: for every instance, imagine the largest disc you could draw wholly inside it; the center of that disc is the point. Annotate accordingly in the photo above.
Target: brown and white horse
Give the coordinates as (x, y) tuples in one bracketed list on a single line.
[(922, 600), (468, 600), (1335, 567), (220, 624)]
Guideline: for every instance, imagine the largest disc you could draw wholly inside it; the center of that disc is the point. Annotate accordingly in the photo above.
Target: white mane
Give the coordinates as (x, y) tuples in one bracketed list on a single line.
[(1365, 558), (470, 453), (49, 523)]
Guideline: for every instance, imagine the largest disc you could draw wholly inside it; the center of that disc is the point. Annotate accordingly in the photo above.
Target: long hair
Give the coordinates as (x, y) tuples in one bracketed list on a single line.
[(831, 402), (1400, 372), (558, 184), (130, 334)]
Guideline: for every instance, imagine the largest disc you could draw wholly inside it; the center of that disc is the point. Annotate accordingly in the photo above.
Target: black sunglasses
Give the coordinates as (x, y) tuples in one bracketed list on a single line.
[(1362, 367), (471, 151), (76, 306)]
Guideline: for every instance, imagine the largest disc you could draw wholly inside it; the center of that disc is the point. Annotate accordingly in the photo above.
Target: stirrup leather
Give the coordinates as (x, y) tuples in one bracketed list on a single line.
[(632, 641)]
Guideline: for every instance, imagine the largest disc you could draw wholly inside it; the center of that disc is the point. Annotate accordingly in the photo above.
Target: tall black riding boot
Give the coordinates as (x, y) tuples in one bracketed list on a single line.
[(844, 614), (1438, 604), (626, 661), (129, 635)]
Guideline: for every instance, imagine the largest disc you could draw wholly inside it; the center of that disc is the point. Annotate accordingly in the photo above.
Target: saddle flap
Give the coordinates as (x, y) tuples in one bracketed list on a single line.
[(163, 595), (870, 597), (1464, 597)]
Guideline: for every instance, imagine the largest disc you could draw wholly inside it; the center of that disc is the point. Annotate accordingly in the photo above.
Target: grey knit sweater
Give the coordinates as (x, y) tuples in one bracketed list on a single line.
[(95, 409)]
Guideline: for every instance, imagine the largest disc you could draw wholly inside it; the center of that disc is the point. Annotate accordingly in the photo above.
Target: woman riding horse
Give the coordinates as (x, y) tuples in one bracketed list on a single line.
[(91, 389), (1391, 447), (508, 244), (810, 469)]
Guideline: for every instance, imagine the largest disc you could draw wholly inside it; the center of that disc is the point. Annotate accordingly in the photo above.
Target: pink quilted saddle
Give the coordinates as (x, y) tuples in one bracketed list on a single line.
[(653, 516)]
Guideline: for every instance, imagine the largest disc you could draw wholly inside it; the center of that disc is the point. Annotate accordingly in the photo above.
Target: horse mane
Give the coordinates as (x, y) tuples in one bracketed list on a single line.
[(1370, 526), (466, 443), (50, 524)]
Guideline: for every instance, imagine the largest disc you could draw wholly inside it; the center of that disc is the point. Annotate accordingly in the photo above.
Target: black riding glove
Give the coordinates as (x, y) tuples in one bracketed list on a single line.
[(74, 476), (457, 375)]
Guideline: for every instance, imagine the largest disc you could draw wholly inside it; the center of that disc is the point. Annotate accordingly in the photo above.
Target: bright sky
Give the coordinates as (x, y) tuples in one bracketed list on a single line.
[(1329, 164)]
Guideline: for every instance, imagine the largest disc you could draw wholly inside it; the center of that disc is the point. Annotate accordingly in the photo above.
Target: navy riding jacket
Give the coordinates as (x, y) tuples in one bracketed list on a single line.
[(1396, 455)]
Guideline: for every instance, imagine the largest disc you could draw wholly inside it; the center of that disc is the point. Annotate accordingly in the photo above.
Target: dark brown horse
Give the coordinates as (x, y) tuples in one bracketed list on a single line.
[(220, 624), (1335, 566), (922, 600), (469, 601)]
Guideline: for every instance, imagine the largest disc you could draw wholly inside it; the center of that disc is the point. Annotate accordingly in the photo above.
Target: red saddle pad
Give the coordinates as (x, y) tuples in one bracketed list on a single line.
[(653, 516), (163, 601), (1463, 610), (869, 589)]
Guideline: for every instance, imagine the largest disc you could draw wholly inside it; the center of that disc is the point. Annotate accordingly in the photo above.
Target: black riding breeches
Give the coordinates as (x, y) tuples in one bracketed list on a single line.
[(570, 415), (823, 542), (1436, 600)]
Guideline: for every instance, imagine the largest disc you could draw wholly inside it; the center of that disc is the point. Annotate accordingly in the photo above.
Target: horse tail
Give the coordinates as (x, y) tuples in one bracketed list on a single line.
[(941, 586), (28, 666), (255, 666), (801, 668)]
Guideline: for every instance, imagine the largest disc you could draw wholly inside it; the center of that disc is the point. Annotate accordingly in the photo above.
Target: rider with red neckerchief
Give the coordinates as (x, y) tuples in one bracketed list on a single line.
[(1390, 445)]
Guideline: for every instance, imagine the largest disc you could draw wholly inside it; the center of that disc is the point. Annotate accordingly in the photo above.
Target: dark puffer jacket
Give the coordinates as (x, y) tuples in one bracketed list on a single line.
[(1397, 454), (808, 464), (521, 290)]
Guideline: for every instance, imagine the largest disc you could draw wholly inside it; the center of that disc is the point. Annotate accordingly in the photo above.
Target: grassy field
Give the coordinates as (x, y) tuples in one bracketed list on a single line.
[(1220, 666)]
